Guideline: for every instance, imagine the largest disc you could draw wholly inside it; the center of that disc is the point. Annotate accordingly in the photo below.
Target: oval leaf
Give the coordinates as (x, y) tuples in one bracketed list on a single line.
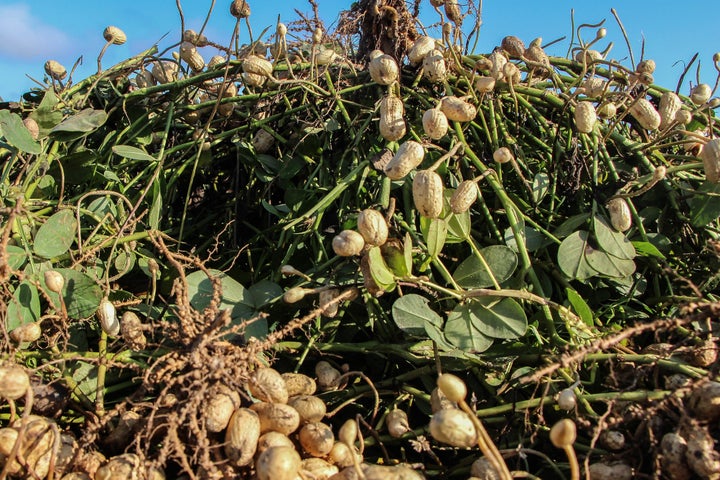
[(23, 307), (380, 272), (411, 312), (56, 235), (15, 133), (571, 256), (462, 331), (82, 295), (235, 297), (498, 317), (610, 265), (132, 153), (472, 272), (611, 241), (83, 122)]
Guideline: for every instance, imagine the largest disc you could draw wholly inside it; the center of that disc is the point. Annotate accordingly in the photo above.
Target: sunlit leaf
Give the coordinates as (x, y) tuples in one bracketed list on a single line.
[(611, 241), (56, 235), (84, 121), (571, 256), (23, 307), (133, 153), (580, 307), (16, 134), (472, 273), (705, 206), (411, 312), (462, 331), (380, 272)]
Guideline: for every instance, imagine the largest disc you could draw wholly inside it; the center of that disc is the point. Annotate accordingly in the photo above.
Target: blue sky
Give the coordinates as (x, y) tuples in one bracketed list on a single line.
[(32, 32)]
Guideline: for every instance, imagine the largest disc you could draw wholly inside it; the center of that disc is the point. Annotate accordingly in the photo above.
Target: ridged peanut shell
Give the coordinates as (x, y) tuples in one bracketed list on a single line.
[(710, 155), (273, 439), (55, 70), (328, 377), (421, 48), (593, 87), (704, 402), (646, 115), (278, 463), (384, 69), (268, 385), (120, 467), (434, 67), (452, 11), (408, 157), (503, 155), (299, 384), (257, 66), (145, 79), (585, 117), (107, 316), (387, 472), (263, 141), (28, 332), (700, 93), (114, 35), (484, 84), (318, 468), (464, 196), (241, 436), (348, 243), (164, 71), (397, 423), (497, 62), (316, 438), (392, 124), (620, 216), (36, 447), (327, 296), (309, 407), (435, 123), (513, 46), (457, 109), (453, 427), (219, 408), (606, 110), (372, 226), (428, 193), (276, 417), (240, 9), (189, 53), (670, 105)]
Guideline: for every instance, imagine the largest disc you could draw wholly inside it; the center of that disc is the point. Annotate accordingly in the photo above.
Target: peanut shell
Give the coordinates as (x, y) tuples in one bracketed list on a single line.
[(392, 124), (428, 193), (408, 157)]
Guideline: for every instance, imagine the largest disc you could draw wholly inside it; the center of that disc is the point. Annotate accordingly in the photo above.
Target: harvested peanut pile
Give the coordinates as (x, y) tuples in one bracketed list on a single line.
[(367, 253)]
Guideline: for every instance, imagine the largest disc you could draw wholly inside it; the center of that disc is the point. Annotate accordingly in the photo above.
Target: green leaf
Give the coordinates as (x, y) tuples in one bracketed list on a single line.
[(705, 207), (156, 207), (394, 254), (82, 295), (379, 271), (611, 241), (235, 297), (571, 256), (472, 273), (570, 225), (45, 114), (124, 261), (16, 257), (647, 249), (23, 307), (540, 186), (133, 153), (462, 331), (263, 292), (498, 317), (609, 265), (15, 133), (84, 121), (56, 235), (435, 236), (85, 376), (412, 312), (581, 308), (534, 239), (458, 227)]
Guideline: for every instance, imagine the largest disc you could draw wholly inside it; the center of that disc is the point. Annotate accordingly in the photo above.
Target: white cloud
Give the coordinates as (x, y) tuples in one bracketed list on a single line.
[(24, 36)]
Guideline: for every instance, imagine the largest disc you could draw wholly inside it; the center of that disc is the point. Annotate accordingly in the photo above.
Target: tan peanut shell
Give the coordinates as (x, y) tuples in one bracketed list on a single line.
[(464, 196), (420, 49), (276, 417), (342, 456), (438, 401), (452, 10), (620, 216), (267, 385), (384, 69), (372, 226), (273, 439), (646, 66), (513, 46), (497, 62), (387, 472), (408, 157), (328, 377), (26, 333), (646, 115), (700, 93), (299, 384), (278, 463), (428, 193), (318, 468), (397, 423), (511, 73), (670, 105), (263, 141), (120, 467), (710, 155), (457, 109), (189, 53), (55, 70), (503, 155), (164, 71), (131, 330), (392, 123), (434, 67), (484, 84), (610, 471), (593, 86), (435, 123), (587, 56), (240, 9), (348, 243), (309, 407), (327, 296), (145, 79), (253, 79), (219, 408), (453, 427), (585, 117), (317, 439), (241, 436), (607, 110), (36, 448), (257, 66), (107, 315), (114, 35), (536, 54)]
